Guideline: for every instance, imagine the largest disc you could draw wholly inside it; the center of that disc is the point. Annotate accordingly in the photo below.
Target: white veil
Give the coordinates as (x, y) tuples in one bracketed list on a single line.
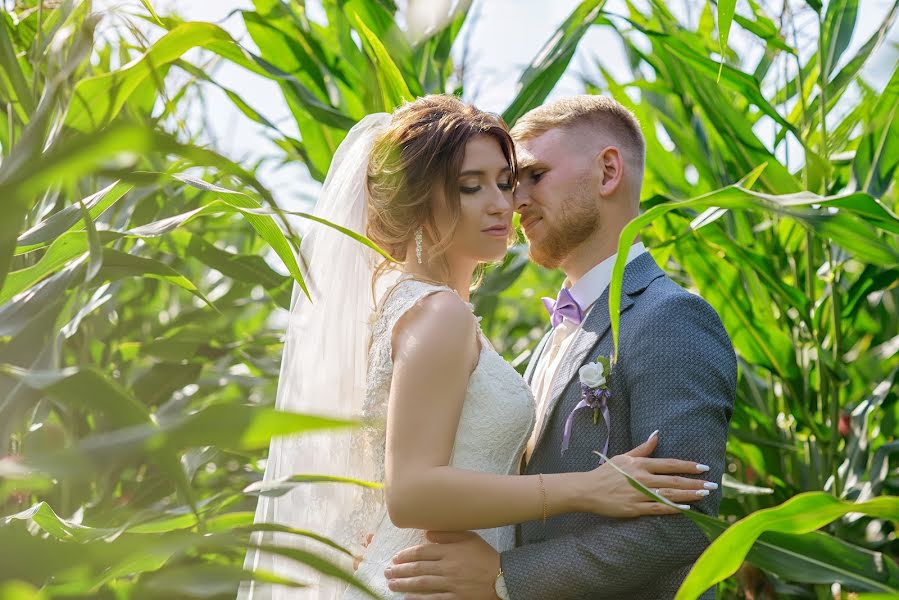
[(323, 371)]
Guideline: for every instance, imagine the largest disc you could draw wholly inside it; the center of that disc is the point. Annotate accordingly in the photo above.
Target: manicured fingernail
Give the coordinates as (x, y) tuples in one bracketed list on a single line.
[(652, 435), (683, 506), (702, 493), (388, 569), (710, 485), (702, 468)]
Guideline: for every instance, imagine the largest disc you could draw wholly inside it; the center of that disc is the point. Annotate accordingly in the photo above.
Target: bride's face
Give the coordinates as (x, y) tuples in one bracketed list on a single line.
[(485, 194)]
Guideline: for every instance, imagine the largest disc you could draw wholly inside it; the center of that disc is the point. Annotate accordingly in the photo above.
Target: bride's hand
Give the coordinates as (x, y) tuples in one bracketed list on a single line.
[(612, 495)]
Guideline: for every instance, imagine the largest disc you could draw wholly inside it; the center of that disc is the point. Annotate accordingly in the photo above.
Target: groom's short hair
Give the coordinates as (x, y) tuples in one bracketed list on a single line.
[(601, 113)]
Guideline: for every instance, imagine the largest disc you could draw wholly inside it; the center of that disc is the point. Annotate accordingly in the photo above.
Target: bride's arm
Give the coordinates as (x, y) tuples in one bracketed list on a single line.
[(435, 349)]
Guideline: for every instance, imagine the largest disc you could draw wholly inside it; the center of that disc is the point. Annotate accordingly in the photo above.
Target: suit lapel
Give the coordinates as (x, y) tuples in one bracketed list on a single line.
[(538, 352), (588, 336), (637, 276)]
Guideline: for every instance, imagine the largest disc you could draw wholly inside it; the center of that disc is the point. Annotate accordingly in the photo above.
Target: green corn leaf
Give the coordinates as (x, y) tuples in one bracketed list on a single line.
[(857, 235), (726, 9), (802, 514), (394, 90), (877, 156), (97, 100), (784, 541), (547, 68), (836, 32), (85, 388)]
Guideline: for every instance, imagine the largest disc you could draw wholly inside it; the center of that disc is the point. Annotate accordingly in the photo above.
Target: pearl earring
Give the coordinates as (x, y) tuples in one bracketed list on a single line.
[(418, 237)]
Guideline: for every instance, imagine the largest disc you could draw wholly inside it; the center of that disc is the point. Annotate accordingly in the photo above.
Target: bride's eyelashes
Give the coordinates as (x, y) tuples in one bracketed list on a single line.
[(505, 186)]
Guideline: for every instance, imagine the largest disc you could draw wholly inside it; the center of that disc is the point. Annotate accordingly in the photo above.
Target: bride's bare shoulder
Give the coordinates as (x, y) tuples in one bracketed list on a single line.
[(437, 325)]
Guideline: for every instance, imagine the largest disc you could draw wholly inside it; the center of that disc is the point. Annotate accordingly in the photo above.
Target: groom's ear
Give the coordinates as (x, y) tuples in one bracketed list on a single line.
[(610, 164)]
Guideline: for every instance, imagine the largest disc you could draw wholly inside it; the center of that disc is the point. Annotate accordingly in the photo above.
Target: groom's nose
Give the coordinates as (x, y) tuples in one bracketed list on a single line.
[(521, 197)]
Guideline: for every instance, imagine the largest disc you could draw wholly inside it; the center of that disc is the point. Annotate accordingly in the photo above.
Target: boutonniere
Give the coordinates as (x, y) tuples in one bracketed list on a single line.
[(595, 394)]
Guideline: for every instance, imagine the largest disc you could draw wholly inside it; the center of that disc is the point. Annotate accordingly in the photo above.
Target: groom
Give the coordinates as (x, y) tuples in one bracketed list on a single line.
[(581, 170)]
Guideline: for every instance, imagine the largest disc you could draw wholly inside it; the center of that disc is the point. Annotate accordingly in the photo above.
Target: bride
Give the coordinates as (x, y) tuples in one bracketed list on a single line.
[(394, 345)]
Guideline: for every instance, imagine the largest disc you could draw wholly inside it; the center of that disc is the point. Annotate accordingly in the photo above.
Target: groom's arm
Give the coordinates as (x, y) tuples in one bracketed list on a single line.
[(680, 376)]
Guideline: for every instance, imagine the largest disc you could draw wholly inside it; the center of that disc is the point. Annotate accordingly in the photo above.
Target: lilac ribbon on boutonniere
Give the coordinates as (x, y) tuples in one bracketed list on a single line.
[(595, 394)]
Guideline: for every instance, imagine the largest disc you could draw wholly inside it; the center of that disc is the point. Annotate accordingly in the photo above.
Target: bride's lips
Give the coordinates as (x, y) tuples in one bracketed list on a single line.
[(500, 231)]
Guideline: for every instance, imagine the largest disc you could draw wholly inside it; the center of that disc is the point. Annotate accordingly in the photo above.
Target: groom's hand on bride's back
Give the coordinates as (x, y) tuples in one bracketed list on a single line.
[(455, 566), (612, 495)]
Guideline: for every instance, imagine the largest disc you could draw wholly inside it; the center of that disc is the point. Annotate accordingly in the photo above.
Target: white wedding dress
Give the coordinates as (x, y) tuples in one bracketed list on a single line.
[(497, 417)]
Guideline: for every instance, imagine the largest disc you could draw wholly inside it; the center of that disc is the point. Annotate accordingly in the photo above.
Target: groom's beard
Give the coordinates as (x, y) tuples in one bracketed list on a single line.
[(574, 222)]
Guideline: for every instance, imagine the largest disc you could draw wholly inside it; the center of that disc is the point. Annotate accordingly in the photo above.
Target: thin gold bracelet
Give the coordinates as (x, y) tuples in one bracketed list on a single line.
[(543, 494)]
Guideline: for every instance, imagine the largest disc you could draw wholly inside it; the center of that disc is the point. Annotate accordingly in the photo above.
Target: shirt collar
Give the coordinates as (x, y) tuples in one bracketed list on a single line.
[(590, 287)]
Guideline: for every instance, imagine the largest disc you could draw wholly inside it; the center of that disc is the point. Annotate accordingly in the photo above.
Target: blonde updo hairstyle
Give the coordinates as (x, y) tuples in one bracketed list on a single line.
[(423, 148)]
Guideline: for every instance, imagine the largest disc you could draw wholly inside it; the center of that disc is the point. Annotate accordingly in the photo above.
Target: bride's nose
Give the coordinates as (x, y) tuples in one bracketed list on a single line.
[(500, 203)]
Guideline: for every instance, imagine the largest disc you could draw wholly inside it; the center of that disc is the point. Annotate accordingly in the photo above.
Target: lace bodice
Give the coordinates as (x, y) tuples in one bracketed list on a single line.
[(496, 421)]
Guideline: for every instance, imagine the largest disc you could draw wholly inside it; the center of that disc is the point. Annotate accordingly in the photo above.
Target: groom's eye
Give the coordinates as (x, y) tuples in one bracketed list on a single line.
[(536, 175)]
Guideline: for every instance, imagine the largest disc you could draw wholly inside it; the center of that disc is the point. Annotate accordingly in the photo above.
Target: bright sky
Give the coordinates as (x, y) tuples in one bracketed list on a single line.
[(505, 36)]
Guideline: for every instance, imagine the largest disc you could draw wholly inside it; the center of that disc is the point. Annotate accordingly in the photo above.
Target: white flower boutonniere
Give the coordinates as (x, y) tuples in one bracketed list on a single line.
[(595, 394), (593, 375)]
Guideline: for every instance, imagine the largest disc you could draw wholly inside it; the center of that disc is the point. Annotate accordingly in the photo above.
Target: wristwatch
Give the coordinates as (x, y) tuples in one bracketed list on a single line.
[(499, 586)]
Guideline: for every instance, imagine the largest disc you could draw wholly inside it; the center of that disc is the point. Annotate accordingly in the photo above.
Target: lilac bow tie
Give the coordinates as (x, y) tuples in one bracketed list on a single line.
[(565, 306)]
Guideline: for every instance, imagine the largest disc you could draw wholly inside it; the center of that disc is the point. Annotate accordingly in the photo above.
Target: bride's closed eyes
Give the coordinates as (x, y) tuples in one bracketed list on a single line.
[(472, 185), (505, 186)]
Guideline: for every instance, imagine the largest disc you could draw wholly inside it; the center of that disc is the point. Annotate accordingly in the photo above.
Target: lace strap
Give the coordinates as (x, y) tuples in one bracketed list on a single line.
[(405, 294)]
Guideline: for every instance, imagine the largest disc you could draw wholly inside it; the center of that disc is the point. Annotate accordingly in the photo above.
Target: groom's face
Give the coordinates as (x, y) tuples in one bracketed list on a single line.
[(556, 195)]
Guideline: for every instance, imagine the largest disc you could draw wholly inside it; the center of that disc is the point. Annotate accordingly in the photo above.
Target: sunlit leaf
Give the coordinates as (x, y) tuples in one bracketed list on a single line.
[(68, 218), (802, 514), (769, 539), (97, 100), (547, 68), (839, 24), (856, 235), (279, 487), (877, 156), (725, 17), (394, 90)]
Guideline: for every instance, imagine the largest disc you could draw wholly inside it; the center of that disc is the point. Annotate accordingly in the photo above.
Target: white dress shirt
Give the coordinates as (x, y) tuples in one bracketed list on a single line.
[(585, 292)]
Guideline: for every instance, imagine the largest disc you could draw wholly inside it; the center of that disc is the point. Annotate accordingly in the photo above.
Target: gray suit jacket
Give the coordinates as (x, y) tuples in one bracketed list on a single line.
[(676, 372)]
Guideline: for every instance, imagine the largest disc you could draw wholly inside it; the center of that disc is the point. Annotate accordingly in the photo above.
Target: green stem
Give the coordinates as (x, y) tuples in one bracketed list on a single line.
[(35, 58), (836, 305), (822, 105), (814, 403), (836, 404), (817, 403)]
